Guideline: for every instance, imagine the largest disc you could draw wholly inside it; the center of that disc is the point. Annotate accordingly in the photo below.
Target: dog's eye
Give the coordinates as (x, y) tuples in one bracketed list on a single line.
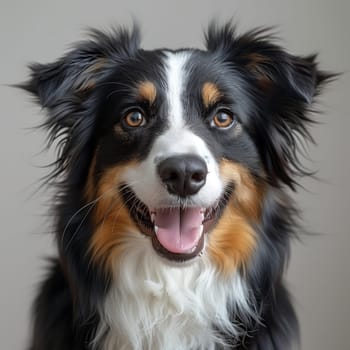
[(223, 120), (135, 119)]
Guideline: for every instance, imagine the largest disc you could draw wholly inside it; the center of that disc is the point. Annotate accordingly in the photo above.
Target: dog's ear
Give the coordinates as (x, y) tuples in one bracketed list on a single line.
[(65, 89), (283, 88), (76, 73)]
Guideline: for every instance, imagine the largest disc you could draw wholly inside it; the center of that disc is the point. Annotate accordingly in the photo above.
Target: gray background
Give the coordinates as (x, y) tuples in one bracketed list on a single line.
[(41, 30)]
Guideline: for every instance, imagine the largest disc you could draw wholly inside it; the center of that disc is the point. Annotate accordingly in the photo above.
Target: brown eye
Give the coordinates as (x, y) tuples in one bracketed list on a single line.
[(135, 119), (223, 120)]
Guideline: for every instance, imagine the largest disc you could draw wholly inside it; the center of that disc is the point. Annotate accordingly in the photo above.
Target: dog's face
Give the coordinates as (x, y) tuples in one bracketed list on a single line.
[(178, 148), (175, 151)]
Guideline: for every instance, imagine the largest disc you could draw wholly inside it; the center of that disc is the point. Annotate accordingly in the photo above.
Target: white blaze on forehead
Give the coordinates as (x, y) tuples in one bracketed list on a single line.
[(176, 79), (178, 138)]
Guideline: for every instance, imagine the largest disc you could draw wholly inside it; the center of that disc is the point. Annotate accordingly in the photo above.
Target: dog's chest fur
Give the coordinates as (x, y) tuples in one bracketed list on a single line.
[(153, 305)]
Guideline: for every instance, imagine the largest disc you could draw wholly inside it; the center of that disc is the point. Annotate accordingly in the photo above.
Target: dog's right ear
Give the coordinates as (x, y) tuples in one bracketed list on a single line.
[(69, 78), (75, 74), (65, 87)]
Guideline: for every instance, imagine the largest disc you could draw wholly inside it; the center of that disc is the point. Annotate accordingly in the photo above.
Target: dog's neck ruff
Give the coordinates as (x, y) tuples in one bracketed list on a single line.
[(155, 305)]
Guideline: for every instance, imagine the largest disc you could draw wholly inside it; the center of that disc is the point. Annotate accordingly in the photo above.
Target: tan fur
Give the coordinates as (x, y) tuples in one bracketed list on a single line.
[(111, 219), (255, 59), (147, 91), (256, 64), (233, 240), (86, 80), (210, 94)]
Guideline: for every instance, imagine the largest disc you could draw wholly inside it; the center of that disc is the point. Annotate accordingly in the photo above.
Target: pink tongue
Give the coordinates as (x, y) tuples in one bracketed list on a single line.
[(179, 230)]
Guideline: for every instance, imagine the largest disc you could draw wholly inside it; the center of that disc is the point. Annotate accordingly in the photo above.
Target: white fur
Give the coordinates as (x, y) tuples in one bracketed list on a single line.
[(156, 305), (176, 79)]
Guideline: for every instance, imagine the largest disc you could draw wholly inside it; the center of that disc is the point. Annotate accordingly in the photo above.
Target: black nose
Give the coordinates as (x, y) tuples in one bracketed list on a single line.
[(183, 175)]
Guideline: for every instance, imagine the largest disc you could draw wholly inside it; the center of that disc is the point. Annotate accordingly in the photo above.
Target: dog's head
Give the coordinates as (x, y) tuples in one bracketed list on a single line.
[(177, 147)]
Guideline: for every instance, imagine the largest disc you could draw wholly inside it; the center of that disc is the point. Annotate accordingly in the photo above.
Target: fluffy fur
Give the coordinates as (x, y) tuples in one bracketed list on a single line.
[(233, 116), (164, 307)]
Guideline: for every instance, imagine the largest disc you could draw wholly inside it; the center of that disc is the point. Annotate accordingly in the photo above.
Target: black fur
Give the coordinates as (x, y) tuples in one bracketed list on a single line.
[(272, 94)]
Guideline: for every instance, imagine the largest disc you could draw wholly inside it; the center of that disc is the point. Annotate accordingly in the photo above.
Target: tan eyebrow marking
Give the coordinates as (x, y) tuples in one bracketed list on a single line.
[(210, 94), (147, 91)]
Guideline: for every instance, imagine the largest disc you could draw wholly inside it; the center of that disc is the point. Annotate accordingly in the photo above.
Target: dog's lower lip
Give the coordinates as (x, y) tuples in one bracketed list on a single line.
[(178, 257)]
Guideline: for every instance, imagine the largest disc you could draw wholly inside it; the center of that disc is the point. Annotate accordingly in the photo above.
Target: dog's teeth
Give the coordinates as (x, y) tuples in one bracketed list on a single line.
[(201, 229), (153, 217), (155, 229), (192, 250)]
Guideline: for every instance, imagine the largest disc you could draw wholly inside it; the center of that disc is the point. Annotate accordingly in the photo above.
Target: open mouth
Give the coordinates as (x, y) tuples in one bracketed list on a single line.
[(177, 233)]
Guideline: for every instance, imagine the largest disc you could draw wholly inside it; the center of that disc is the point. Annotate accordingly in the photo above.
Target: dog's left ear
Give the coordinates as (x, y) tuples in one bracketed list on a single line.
[(267, 63), (282, 85)]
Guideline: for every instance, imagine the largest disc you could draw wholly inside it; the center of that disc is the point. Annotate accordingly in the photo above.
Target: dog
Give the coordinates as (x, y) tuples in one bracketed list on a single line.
[(173, 216)]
